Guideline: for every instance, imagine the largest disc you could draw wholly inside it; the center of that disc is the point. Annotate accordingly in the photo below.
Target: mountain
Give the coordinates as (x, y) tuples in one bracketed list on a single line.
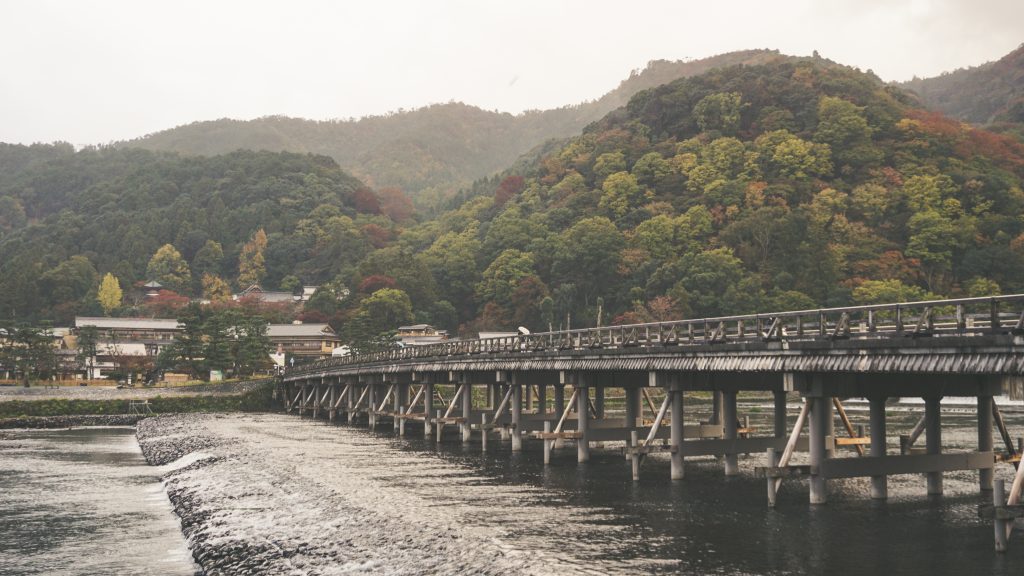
[(988, 95), (438, 147), (794, 183)]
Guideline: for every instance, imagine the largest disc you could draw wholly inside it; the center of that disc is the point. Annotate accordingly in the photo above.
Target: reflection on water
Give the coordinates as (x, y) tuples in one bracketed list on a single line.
[(84, 501), (708, 523)]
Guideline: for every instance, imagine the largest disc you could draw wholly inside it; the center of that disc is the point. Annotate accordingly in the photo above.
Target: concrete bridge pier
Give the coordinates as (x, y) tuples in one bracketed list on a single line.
[(371, 404), (517, 410), (467, 411), (675, 392), (332, 411), (559, 408), (542, 398), (933, 439), (633, 406), (779, 421), (820, 416), (730, 421), (879, 484), (985, 441), (428, 408), (583, 418), (350, 402), (399, 400)]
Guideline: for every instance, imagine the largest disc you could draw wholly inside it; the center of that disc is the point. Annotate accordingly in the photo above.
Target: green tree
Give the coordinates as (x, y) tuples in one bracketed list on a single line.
[(216, 289), (208, 260), (253, 345), (386, 309), (588, 255), (500, 279), (186, 353), (218, 341), (109, 294), (889, 291), (621, 194), (170, 269), (70, 281), (719, 112)]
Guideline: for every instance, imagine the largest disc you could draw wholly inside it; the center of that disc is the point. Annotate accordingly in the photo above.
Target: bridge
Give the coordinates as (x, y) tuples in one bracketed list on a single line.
[(516, 388)]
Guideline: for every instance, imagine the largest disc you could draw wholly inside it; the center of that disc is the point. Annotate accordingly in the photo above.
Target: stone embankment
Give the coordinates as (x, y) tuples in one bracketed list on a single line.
[(70, 421), (269, 494)]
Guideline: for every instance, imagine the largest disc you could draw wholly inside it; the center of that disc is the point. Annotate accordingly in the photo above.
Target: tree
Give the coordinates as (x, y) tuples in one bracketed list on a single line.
[(208, 260), (251, 265), (169, 268), (217, 340), (253, 346), (888, 291), (500, 279), (109, 294), (621, 193), (386, 309), (215, 289), (719, 112), (186, 353), (290, 283), (69, 281), (588, 256)]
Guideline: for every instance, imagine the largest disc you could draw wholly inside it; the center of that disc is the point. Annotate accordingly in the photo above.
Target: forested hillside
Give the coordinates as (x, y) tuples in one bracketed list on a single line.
[(796, 183), (989, 95), (430, 151)]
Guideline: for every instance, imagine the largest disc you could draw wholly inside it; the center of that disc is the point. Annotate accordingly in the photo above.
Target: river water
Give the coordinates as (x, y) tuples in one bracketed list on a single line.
[(345, 500), (84, 501)]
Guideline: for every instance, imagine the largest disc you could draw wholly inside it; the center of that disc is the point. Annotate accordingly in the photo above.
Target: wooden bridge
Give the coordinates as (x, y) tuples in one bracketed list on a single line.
[(500, 386)]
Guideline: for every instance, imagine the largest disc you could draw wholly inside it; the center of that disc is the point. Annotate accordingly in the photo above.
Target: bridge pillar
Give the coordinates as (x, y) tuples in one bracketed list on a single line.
[(559, 399), (302, 399), (583, 417), (632, 413), (542, 398), (933, 439), (779, 424), (716, 408), (821, 414), (599, 401), (400, 399), (879, 484), (467, 411), (517, 411), (428, 408), (350, 402), (331, 412), (985, 442), (529, 397), (676, 392), (730, 421)]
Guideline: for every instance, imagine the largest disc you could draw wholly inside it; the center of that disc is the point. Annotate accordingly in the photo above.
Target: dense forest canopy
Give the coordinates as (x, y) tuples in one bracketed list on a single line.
[(794, 183)]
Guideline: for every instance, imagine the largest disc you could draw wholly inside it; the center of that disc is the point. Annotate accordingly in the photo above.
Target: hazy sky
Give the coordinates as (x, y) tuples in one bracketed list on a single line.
[(98, 71)]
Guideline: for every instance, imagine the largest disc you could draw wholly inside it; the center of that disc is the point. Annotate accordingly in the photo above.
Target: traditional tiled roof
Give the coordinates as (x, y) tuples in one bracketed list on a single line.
[(293, 330), (127, 323)]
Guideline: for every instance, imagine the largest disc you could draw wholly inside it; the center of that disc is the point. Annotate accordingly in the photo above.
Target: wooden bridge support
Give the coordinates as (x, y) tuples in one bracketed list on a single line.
[(517, 414), (428, 408)]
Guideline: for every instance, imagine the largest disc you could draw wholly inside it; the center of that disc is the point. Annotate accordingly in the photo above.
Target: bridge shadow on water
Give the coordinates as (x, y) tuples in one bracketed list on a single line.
[(711, 524)]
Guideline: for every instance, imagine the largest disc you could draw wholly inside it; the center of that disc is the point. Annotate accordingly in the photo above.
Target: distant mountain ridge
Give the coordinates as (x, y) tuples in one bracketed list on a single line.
[(438, 147), (991, 94)]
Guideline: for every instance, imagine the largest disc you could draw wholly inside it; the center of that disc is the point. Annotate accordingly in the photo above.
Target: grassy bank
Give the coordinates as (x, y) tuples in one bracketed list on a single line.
[(256, 400)]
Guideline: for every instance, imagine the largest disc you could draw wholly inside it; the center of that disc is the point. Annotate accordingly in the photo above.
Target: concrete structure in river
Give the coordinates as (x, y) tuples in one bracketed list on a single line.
[(968, 347)]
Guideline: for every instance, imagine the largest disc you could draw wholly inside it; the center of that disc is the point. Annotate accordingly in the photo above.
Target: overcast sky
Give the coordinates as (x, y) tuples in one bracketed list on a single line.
[(99, 71)]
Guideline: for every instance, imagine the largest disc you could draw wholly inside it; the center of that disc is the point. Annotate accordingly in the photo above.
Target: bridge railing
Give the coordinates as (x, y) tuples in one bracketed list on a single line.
[(933, 318)]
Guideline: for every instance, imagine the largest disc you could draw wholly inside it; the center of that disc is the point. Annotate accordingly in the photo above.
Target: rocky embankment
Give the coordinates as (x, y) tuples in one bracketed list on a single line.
[(271, 494), (70, 421)]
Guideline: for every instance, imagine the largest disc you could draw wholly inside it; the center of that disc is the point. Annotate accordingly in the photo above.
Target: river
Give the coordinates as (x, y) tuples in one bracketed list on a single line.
[(84, 501), (280, 494)]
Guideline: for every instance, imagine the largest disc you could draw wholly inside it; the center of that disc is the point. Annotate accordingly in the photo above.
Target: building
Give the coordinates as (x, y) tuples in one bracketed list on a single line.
[(421, 335), (130, 344), (256, 292), (306, 341)]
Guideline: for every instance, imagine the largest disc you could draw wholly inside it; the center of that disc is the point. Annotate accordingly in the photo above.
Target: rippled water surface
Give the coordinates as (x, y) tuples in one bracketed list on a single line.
[(84, 501)]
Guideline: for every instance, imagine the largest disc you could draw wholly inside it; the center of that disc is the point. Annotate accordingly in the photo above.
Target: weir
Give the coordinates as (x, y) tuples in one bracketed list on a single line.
[(500, 386)]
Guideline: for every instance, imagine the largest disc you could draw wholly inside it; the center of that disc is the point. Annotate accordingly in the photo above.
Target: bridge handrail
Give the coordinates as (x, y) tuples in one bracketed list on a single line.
[(933, 318)]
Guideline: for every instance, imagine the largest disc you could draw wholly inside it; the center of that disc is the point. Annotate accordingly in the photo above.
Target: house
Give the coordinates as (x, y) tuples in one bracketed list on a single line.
[(257, 292), (130, 344), (309, 341), (421, 335)]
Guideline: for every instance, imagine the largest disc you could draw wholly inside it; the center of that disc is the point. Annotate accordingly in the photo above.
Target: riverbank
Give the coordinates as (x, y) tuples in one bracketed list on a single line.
[(75, 408)]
